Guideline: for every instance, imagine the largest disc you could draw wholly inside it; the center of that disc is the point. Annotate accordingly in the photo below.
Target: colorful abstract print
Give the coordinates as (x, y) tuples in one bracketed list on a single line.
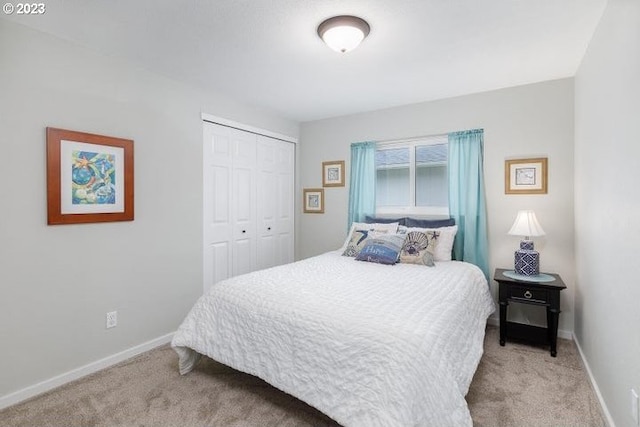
[(93, 178)]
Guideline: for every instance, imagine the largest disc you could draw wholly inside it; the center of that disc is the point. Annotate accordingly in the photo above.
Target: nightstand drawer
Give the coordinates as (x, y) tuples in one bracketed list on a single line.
[(524, 293)]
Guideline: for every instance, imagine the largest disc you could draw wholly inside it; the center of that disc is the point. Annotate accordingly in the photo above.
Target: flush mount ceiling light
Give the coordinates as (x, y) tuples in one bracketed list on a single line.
[(343, 33)]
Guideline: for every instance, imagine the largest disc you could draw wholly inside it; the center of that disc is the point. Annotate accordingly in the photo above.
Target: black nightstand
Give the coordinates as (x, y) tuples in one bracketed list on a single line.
[(546, 294)]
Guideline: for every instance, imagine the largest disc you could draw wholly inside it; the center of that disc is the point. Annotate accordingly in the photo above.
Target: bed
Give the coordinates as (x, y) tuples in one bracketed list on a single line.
[(365, 343)]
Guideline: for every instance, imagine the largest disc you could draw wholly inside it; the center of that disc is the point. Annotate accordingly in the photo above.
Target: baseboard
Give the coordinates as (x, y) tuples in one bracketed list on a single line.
[(562, 333), (594, 384), (57, 381)]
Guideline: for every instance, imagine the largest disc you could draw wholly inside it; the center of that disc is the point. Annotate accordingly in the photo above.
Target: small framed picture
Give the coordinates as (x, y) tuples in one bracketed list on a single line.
[(313, 200), (333, 174), (525, 176)]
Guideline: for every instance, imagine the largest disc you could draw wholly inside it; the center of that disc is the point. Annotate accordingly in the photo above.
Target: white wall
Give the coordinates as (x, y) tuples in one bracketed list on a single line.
[(607, 201), (525, 121), (57, 282)]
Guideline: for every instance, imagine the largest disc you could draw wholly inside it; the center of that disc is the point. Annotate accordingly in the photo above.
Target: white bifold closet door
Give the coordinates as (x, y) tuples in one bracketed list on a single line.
[(275, 202), (248, 202)]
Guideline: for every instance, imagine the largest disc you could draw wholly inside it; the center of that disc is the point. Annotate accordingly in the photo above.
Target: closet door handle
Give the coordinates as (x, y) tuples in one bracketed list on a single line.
[(269, 228), (244, 231)]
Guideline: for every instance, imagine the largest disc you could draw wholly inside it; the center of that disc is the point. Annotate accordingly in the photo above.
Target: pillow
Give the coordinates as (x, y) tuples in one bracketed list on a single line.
[(419, 248), (444, 242), (429, 223), (387, 228), (372, 219), (358, 240), (384, 249)]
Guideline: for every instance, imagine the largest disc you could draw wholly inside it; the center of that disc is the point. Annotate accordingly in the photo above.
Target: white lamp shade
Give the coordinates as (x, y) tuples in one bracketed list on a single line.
[(526, 224), (343, 33)]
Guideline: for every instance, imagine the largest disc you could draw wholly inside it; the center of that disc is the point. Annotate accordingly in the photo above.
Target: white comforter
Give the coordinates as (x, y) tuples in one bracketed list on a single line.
[(367, 344)]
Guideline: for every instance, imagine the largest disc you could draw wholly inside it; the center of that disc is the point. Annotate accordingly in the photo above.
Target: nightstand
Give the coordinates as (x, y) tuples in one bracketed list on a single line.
[(544, 294)]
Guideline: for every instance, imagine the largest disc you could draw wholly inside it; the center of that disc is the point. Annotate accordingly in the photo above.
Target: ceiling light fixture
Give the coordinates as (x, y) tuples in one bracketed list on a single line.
[(343, 33)]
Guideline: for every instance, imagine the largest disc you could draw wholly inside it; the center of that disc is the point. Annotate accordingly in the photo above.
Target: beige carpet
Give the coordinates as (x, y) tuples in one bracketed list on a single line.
[(516, 385), (521, 385)]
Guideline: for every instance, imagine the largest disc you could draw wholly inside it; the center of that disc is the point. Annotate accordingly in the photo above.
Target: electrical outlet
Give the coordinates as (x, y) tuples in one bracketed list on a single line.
[(634, 406), (112, 319)]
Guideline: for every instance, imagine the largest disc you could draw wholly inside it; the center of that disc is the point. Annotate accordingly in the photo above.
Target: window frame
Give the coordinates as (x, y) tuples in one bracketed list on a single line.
[(412, 209)]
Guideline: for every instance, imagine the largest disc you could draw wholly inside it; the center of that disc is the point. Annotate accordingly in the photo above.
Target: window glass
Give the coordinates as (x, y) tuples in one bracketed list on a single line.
[(411, 177), (431, 175), (392, 177)]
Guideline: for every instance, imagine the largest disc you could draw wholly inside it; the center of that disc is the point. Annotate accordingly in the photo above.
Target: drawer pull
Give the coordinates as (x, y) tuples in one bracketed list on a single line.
[(528, 294)]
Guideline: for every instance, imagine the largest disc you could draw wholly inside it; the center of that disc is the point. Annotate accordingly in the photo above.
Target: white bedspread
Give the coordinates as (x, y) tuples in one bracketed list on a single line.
[(367, 344)]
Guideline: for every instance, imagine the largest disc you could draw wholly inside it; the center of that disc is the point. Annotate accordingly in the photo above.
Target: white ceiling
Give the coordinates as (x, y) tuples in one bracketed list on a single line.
[(267, 53)]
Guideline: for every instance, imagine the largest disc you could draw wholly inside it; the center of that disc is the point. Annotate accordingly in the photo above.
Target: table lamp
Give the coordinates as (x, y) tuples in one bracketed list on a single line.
[(527, 260)]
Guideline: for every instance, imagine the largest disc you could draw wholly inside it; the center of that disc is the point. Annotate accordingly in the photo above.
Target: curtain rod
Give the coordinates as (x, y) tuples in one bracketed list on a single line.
[(412, 139), (437, 135)]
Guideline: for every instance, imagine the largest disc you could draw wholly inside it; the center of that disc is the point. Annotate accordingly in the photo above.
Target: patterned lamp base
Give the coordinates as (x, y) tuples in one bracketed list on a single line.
[(527, 260)]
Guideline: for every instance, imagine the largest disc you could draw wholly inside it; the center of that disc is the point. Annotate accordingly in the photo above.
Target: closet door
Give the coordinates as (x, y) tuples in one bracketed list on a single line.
[(229, 214), (243, 198), (275, 202), (284, 222), (217, 157), (248, 202), (267, 201)]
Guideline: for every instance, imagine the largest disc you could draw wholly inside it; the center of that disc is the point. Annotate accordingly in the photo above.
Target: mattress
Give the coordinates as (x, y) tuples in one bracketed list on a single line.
[(367, 344)]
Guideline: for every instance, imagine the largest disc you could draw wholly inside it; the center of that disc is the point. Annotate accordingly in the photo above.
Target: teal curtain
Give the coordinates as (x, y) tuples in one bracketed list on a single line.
[(467, 203), (362, 182)]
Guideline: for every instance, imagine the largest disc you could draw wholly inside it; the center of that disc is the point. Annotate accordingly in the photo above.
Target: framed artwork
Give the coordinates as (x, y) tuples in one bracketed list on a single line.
[(333, 174), (525, 176), (89, 178), (313, 200)]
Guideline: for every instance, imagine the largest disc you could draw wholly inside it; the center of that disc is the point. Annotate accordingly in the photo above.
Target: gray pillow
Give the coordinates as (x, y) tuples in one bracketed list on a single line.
[(429, 223), (374, 219)]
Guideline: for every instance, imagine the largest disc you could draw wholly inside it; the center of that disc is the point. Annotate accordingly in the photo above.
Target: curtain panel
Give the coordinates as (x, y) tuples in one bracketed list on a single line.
[(362, 182), (467, 203)]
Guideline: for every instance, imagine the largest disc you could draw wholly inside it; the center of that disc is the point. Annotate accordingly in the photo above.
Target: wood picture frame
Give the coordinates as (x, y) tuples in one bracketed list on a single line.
[(333, 173), (525, 176), (89, 178), (313, 199)]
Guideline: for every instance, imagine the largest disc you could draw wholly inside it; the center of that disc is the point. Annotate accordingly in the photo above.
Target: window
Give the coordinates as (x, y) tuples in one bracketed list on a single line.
[(411, 177)]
